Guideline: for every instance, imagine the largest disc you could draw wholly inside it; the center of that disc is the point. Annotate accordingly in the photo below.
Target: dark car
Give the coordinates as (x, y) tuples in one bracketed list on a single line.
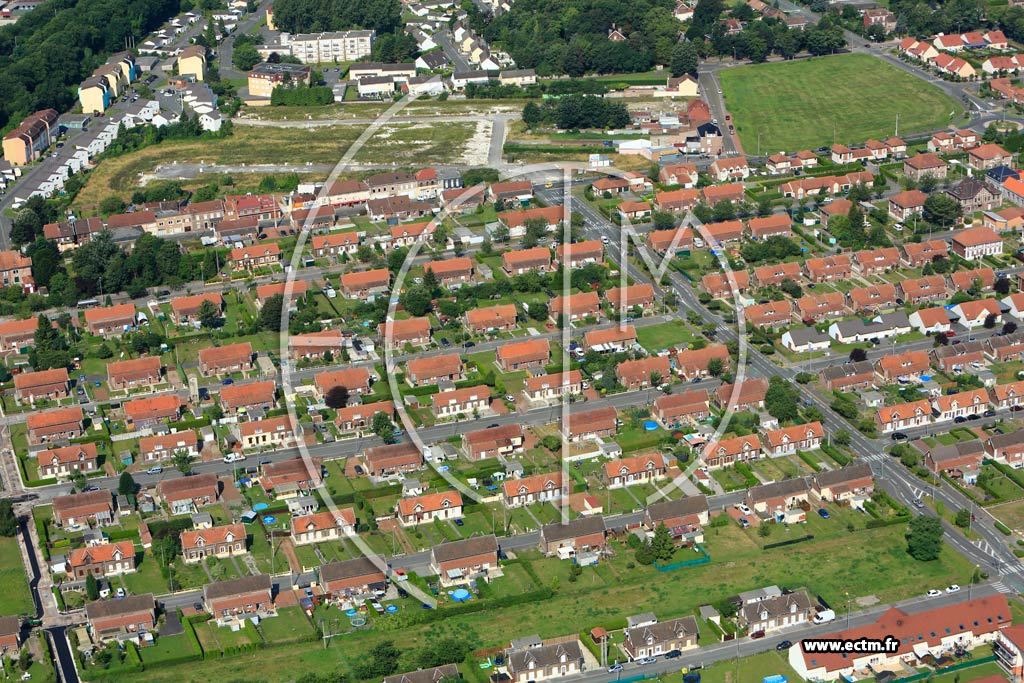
[(784, 645), (493, 425), (672, 654), (959, 419), (898, 436), (974, 416), (469, 344), (989, 413)]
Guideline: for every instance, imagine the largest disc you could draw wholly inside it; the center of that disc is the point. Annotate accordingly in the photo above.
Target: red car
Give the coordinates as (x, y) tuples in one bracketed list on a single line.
[(950, 334)]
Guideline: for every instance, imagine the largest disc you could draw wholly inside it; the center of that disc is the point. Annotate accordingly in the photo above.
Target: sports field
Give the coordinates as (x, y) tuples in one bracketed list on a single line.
[(796, 105)]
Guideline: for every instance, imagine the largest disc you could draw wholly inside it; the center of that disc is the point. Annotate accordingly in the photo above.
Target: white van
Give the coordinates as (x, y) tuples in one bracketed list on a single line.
[(824, 616)]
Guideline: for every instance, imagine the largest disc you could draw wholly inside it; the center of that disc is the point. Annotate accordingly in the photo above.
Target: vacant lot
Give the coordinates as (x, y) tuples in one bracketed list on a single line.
[(797, 105), (420, 143)]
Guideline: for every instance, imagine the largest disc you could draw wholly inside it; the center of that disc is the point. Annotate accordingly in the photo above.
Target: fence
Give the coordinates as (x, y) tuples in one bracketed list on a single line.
[(703, 559)]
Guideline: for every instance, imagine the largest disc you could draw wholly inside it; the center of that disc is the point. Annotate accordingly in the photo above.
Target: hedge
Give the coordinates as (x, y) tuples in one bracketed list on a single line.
[(44, 536), (878, 523), (809, 460), (836, 454), (132, 653), (588, 643), (1002, 528)]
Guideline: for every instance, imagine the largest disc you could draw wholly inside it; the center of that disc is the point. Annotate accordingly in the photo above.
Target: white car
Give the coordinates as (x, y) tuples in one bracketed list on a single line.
[(953, 589), (604, 239), (744, 509), (934, 593), (234, 457)]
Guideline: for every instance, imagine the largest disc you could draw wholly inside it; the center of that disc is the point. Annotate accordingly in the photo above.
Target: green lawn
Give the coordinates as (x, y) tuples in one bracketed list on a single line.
[(657, 337), (290, 625), (797, 105), (16, 597)]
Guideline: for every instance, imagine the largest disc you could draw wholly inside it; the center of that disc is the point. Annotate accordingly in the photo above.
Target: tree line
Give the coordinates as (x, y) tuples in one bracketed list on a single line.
[(578, 111)]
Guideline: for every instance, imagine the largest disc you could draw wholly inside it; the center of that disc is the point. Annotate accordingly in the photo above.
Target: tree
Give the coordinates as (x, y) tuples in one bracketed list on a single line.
[(841, 438), (532, 115), (962, 518), (336, 397), (662, 545), (46, 261), (858, 355), (990, 321), (245, 55), (924, 538), (417, 300), (1002, 286), (941, 209), (24, 659), (126, 484), (92, 591), (715, 367), (781, 399), (111, 204), (382, 426), (663, 220), (26, 227), (1009, 327), (182, 461), (685, 59), (8, 520), (381, 661), (209, 315), (441, 651), (270, 314)]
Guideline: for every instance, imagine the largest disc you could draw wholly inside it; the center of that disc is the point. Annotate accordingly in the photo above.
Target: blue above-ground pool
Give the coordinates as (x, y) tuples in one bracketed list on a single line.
[(270, 519), (460, 595), (650, 425), (258, 507), (391, 608), (351, 612)]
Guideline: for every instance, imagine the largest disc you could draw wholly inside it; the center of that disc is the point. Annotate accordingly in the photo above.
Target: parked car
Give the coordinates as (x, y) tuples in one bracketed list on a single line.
[(646, 660), (226, 381), (953, 589), (614, 668), (934, 593), (784, 645), (744, 509), (673, 654), (156, 469), (824, 513), (744, 523), (898, 436)]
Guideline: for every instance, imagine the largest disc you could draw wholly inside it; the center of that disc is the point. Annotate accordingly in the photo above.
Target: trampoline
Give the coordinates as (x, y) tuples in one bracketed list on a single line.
[(391, 608), (358, 621)]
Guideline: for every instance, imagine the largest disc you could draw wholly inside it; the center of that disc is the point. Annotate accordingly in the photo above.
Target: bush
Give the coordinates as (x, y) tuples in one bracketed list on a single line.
[(1002, 528)]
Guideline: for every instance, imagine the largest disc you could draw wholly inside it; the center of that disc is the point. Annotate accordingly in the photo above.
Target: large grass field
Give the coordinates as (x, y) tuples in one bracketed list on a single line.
[(795, 105)]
